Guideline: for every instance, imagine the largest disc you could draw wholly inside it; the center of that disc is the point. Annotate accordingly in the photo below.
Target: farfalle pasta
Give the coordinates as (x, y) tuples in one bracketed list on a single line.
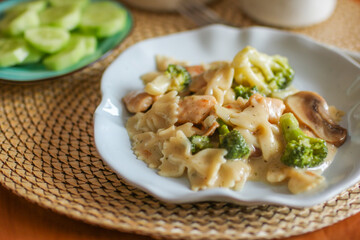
[(223, 123)]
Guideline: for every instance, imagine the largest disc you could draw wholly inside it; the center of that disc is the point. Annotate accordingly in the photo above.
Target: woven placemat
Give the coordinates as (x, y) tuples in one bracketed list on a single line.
[(48, 155)]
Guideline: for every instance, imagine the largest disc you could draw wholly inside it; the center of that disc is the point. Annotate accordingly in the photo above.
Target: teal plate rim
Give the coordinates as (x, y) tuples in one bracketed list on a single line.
[(37, 72)]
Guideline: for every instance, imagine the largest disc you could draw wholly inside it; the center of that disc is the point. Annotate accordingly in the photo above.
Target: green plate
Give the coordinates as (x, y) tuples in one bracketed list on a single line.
[(35, 72)]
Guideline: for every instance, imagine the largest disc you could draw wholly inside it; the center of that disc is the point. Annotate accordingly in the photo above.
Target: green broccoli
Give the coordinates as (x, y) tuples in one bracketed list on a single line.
[(301, 150), (283, 74), (223, 129), (179, 76), (245, 92), (235, 144), (199, 143), (268, 73), (232, 141)]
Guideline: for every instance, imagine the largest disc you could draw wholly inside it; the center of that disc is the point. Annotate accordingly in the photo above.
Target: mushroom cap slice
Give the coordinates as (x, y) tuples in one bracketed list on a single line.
[(312, 110)]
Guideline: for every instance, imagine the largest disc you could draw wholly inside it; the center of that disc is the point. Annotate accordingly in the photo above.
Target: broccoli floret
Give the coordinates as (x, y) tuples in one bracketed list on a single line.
[(245, 92), (199, 143), (283, 74), (179, 76), (268, 73), (223, 129), (235, 144), (175, 78), (232, 141), (301, 150)]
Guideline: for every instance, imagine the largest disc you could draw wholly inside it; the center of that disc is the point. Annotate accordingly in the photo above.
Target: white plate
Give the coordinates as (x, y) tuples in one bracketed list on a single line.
[(332, 74)]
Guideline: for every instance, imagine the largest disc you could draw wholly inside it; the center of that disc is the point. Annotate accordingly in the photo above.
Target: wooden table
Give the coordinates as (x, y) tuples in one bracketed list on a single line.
[(22, 220)]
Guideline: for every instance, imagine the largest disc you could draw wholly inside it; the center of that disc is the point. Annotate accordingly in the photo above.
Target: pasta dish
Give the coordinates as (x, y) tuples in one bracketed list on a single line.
[(226, 122)]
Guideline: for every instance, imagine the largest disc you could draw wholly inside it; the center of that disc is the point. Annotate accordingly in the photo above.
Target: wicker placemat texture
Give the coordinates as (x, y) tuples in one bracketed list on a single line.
[(48, 155)]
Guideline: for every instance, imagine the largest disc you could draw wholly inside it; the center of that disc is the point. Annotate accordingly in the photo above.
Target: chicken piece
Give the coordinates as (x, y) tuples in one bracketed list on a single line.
[(136, 101), (197, 82), (195, 108), (195, 70), (210, 131), (209, 125), (276, 109)]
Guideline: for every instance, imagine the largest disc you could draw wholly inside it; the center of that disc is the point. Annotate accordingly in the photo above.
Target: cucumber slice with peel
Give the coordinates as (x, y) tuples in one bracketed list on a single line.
[(16, 22), (73, 52), (77, 3), (103, 19), (34, 56), (47, 39), (12, 52), (90, 42), (67, 17), (36, 6)]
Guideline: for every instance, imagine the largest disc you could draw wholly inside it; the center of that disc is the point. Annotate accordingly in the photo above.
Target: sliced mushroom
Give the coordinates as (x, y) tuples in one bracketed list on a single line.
[(312, 110)]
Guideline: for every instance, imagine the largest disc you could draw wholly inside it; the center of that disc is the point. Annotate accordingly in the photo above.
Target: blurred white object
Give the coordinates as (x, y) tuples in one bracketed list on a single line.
[(288, 13), (158, 5)]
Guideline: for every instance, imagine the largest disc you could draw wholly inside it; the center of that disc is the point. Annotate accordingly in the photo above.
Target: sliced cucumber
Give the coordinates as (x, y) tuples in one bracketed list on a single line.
[(67, 17), (74, 51), (90, 42), (36, 6), (103, 19), (47, 39), (16, 22), (34, 56), (77, 3), (12, 52)]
